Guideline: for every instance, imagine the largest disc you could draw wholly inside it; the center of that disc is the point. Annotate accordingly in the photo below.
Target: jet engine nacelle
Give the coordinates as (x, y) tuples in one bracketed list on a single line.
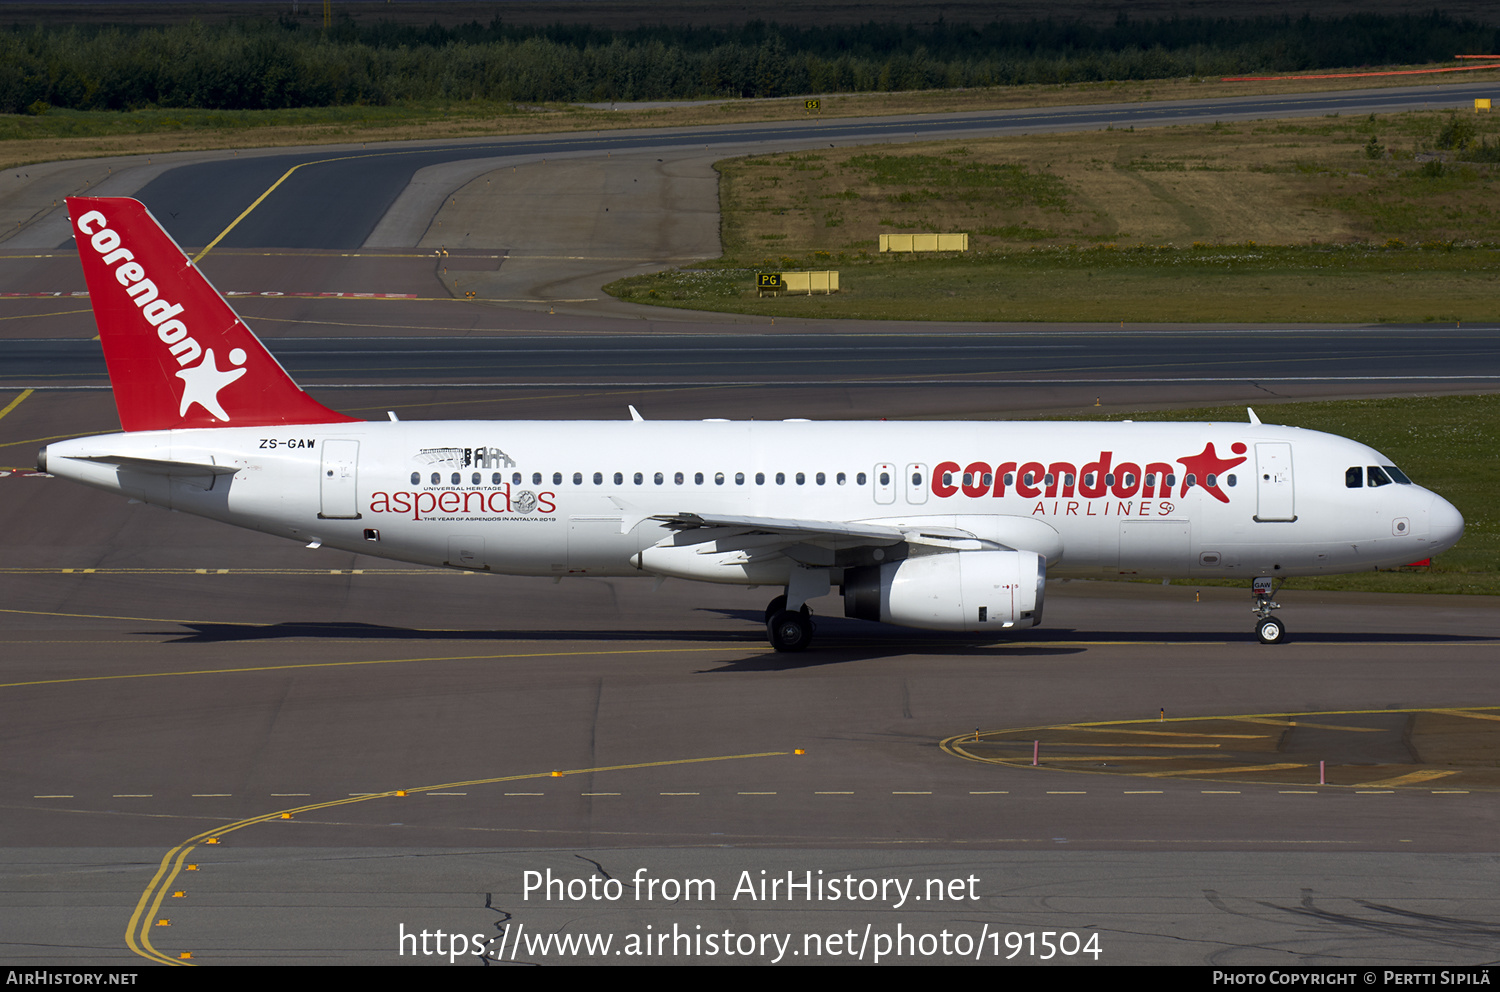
[(964, 590)]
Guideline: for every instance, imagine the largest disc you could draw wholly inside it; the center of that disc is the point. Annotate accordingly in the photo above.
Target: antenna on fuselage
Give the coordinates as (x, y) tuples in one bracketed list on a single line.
[(1253, 418)]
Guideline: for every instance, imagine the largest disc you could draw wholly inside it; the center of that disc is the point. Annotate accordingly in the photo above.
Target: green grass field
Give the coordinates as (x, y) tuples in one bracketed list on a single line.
[(1331, 220), (1333, 284)]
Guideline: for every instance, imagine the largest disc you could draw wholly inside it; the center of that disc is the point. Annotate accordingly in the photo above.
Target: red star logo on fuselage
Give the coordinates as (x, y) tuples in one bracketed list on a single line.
[(1208, 465)]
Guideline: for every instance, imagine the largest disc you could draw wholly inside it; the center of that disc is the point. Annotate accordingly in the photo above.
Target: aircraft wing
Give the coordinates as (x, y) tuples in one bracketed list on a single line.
[(756, 531)]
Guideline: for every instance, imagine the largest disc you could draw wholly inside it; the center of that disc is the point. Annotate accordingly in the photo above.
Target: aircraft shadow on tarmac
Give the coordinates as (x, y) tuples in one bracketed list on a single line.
[(839, 642), (837, 639)]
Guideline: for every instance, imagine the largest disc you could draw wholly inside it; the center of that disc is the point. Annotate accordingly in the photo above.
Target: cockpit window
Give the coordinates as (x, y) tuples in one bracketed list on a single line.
[(1377, 477), (1354, 477), (1397, 474)]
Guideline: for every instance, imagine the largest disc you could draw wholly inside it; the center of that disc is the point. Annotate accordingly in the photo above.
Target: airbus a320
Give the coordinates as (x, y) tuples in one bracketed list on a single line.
[(945, 526)]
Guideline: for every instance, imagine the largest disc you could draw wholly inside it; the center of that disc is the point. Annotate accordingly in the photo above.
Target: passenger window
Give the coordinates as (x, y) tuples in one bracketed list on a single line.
[(598, 478), (781, 478), (437, 480), (801, 478), (677, 478), (1354, 477), (718, 478), (475, 480), (657, 478), (698, 478), (557, 478), (859, 479), (739, 478), (639, 478), (416, 478), (577, 478), (457, 479), (841, 478), (619, 479), (760, 478)]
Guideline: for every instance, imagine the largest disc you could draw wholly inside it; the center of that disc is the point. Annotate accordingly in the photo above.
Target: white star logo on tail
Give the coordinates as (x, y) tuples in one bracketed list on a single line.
[(201, 384)]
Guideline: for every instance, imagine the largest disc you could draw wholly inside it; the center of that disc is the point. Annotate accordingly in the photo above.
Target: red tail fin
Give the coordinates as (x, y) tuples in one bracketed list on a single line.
[(178, 355)]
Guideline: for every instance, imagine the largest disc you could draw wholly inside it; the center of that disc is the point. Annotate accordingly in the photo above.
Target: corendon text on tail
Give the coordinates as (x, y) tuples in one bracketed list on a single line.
[(947, 526)]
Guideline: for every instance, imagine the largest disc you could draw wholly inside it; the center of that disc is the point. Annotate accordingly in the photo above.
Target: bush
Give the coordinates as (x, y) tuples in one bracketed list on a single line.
[(1456, 133), (1482, 151)]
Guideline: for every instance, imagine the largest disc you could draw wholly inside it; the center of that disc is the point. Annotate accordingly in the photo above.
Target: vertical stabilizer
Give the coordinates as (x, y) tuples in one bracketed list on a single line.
[(178, 355)]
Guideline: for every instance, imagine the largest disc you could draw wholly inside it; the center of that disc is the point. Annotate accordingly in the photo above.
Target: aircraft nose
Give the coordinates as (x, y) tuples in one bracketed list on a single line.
[(1446, 524)]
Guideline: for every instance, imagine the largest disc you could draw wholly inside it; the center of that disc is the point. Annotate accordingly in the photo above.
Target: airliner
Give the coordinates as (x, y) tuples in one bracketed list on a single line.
[(943, 526)]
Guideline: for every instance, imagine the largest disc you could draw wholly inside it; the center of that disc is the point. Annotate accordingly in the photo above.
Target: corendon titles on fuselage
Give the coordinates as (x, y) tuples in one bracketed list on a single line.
[(1138, 488)]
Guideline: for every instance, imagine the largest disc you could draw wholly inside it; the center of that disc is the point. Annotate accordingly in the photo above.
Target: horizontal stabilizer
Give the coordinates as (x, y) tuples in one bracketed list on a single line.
[(159, 466)]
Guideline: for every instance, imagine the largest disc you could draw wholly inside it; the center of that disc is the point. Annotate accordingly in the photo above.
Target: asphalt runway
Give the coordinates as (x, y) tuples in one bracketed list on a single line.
[(864, 355), (173, 682)]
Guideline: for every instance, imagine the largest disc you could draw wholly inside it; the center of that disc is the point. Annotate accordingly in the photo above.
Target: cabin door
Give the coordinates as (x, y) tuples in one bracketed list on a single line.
[(1274, 498), (340, 481)]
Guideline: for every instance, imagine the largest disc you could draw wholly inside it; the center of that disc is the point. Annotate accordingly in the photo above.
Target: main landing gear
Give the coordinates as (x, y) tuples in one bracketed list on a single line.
[(788, 630), (792, 629), (1268, 629)]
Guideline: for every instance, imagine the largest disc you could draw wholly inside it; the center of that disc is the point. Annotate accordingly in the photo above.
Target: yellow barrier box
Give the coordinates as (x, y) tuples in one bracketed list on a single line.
[(924, 242), (806, 283)]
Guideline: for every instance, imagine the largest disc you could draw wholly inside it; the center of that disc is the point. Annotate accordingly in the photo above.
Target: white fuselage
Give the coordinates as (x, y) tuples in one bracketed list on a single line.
[(564, 498)]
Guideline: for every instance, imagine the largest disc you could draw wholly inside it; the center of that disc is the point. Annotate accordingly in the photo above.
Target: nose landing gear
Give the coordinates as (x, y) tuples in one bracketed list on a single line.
[(1268, 629)]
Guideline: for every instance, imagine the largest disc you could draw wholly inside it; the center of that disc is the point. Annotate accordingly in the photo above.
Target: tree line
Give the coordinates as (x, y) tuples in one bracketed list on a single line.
[(253, 65)]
